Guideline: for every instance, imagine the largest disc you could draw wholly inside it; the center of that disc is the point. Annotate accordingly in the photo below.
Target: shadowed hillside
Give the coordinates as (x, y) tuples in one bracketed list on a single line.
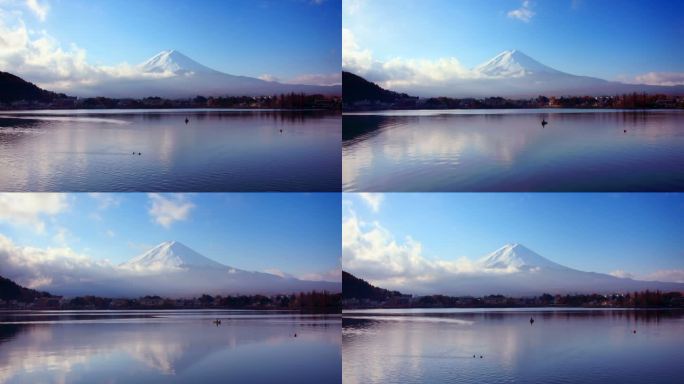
[(355, 288), (9, 290), (14, 88)]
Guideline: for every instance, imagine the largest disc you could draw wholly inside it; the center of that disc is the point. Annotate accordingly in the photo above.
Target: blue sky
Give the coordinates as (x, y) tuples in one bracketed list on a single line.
[(638, 234), (286, 39), (610, 39), (294, 233)]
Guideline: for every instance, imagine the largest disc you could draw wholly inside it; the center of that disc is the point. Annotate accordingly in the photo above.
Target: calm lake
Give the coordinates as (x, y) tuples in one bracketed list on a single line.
[(509, 150), (169, 347), (562, 346), (217, 150)]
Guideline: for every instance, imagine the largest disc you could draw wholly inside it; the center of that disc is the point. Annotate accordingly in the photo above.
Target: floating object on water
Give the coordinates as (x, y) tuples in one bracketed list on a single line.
[(295, 335), (544, 122), (624, 130), (139, 153), (473, 356), (635, 331), (480, 356), (217, 322), (186, 120), (531, 320)]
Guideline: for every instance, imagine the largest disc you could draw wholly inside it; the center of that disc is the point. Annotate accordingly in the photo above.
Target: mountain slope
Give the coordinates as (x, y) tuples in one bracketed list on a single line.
[(174, 62), (517, 257), (513, 64), (172, 269), (173, 75), (515, 74), (515, 270), (170, 255)]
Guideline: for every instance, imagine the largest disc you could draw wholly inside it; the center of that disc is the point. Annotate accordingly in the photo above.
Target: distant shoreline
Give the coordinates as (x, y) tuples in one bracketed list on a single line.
[(466, 309)]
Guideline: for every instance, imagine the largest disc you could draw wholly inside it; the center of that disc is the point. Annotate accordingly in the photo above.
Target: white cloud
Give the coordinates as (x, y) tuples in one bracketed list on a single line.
[(31, 208), (317, 79), (667, 275), (268, 77), (110, 233), (622, 274), (334, 275), (372, 252), (167, 210), (106, 200), (277, 272), (524, 13), (658, 78), (400, 71), (40, 10), (372, 199), (352, 7)]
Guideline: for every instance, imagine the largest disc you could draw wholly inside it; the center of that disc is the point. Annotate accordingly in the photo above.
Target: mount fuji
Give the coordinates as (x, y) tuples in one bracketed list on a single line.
[(515, 74), (171, 269), (171, 74), (515, 270)]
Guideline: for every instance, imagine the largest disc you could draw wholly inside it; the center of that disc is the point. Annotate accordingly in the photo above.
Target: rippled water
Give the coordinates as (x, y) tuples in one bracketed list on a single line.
[(509, 150), (562, 346), (169, 347), (218, 150)]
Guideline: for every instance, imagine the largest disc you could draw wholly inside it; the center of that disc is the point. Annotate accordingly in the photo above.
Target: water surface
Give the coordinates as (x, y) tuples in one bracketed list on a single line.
[(169, 347), (218, 150), (562, 346), (509, 150)]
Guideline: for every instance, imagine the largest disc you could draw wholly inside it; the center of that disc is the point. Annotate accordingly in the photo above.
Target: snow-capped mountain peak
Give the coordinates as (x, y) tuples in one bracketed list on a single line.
[(513, 64), (517, 257), (175, 62), (171, 255)]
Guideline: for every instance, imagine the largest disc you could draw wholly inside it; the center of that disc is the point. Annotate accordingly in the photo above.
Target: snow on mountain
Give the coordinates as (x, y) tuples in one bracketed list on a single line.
[(516, 257), (174, 62), (513, 64), (170, 255)]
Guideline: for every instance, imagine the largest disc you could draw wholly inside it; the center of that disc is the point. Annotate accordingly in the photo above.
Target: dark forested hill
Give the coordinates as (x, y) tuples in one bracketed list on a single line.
[(355, 288), (14, 88), (9, 290), (356, 88)]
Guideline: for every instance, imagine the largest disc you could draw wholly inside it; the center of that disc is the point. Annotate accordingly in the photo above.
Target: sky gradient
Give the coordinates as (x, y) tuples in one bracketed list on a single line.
[(287, 40), (293, 233), (632, 234), (611, 39)]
